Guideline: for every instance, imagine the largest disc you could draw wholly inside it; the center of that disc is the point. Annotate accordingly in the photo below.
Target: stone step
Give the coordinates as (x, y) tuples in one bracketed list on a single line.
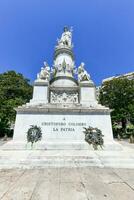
[(20, 155), (65, 161), (64, 145), (50, 163)]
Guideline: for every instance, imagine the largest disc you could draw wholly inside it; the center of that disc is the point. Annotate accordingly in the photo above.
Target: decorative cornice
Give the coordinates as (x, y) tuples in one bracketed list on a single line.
[(63, 50), (63, 77), (41, 83), (86, 84), (65, 110), (73, 88)]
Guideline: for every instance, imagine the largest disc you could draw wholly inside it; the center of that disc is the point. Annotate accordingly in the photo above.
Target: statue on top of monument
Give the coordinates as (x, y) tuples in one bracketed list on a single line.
[(66, 38), (82, 73), (44, 73)]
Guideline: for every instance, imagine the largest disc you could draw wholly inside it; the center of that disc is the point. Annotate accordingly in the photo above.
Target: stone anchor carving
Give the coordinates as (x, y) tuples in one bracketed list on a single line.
[(44, 73), (82, 73)]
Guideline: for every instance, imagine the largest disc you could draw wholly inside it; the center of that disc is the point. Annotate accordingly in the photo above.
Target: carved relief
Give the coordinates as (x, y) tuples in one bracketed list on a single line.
[(64, 67), (63, 97)]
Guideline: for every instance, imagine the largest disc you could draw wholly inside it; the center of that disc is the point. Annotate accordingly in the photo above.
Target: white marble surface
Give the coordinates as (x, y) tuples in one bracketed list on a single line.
[(87, 94), (33, 158), (40, 94), (64, 57), (63, 82), (62, 127)]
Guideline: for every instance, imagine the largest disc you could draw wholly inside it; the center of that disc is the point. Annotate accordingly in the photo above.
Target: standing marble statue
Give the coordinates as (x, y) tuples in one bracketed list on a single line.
[(66, 38), (44, 73), (82, 73)]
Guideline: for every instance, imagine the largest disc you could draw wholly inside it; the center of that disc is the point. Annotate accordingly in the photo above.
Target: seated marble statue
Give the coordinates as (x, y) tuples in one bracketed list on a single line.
[(44, 73), (66, 38), (82, 73)]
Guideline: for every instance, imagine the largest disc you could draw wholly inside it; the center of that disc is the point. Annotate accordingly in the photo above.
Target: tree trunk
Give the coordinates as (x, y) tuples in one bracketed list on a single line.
[(5, 137), (124, 123), (131, 139)]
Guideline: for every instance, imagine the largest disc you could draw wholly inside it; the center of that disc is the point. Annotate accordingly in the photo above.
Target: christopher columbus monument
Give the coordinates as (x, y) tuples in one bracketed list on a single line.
[(64, 101)]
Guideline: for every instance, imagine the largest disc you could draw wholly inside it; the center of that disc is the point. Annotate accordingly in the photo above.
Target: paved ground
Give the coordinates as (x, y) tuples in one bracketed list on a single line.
[(85, 183), (67, 184)]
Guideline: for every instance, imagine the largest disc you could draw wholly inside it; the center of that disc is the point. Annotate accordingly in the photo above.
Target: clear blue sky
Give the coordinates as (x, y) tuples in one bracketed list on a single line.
[(103, 34)]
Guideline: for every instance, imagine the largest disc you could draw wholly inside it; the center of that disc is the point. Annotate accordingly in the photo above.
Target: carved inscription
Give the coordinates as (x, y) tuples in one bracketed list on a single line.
[(64, 126)]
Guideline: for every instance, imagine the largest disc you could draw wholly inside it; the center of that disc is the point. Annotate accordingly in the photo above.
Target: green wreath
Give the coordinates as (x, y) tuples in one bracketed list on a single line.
[(94, 137), (34, 134)]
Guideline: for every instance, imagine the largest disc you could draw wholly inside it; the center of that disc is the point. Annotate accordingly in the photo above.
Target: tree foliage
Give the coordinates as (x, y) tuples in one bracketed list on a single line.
[(15, 90), (118, 94)]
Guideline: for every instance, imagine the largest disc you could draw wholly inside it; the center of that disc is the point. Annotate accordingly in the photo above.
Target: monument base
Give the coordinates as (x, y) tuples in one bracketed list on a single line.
[(62, 124), (20, 155), (18, 145)]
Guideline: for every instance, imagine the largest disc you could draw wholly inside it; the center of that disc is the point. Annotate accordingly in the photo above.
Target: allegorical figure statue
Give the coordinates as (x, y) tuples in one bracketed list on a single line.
[(66, 38), (44, 73), (82, 73)]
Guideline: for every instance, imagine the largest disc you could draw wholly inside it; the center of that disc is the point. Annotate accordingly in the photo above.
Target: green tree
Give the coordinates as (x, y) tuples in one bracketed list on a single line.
[(15, 90), (118, 95)]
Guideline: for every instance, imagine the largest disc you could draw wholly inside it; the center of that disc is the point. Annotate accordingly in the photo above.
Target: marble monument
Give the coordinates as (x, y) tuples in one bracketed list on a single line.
[(64, 101)]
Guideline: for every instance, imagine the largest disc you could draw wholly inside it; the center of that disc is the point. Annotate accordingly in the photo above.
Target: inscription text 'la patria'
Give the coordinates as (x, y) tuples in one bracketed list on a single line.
[(64, 126)]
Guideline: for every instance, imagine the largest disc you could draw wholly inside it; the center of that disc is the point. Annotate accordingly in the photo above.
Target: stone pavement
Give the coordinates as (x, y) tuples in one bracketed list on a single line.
[(67, 184)]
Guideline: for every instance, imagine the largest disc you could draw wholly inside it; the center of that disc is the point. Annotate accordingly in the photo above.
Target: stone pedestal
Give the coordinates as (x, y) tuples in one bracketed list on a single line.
[(40, 92), (62, 127), (62, 124), (87, 93)]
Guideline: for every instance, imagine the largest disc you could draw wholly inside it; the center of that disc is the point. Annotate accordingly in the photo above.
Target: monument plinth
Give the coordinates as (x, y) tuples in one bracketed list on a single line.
[(63, 104)]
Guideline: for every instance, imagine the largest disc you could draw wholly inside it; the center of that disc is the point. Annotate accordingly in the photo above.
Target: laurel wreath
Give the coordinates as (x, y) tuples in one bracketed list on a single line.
[(34, 134), (94, 137)]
